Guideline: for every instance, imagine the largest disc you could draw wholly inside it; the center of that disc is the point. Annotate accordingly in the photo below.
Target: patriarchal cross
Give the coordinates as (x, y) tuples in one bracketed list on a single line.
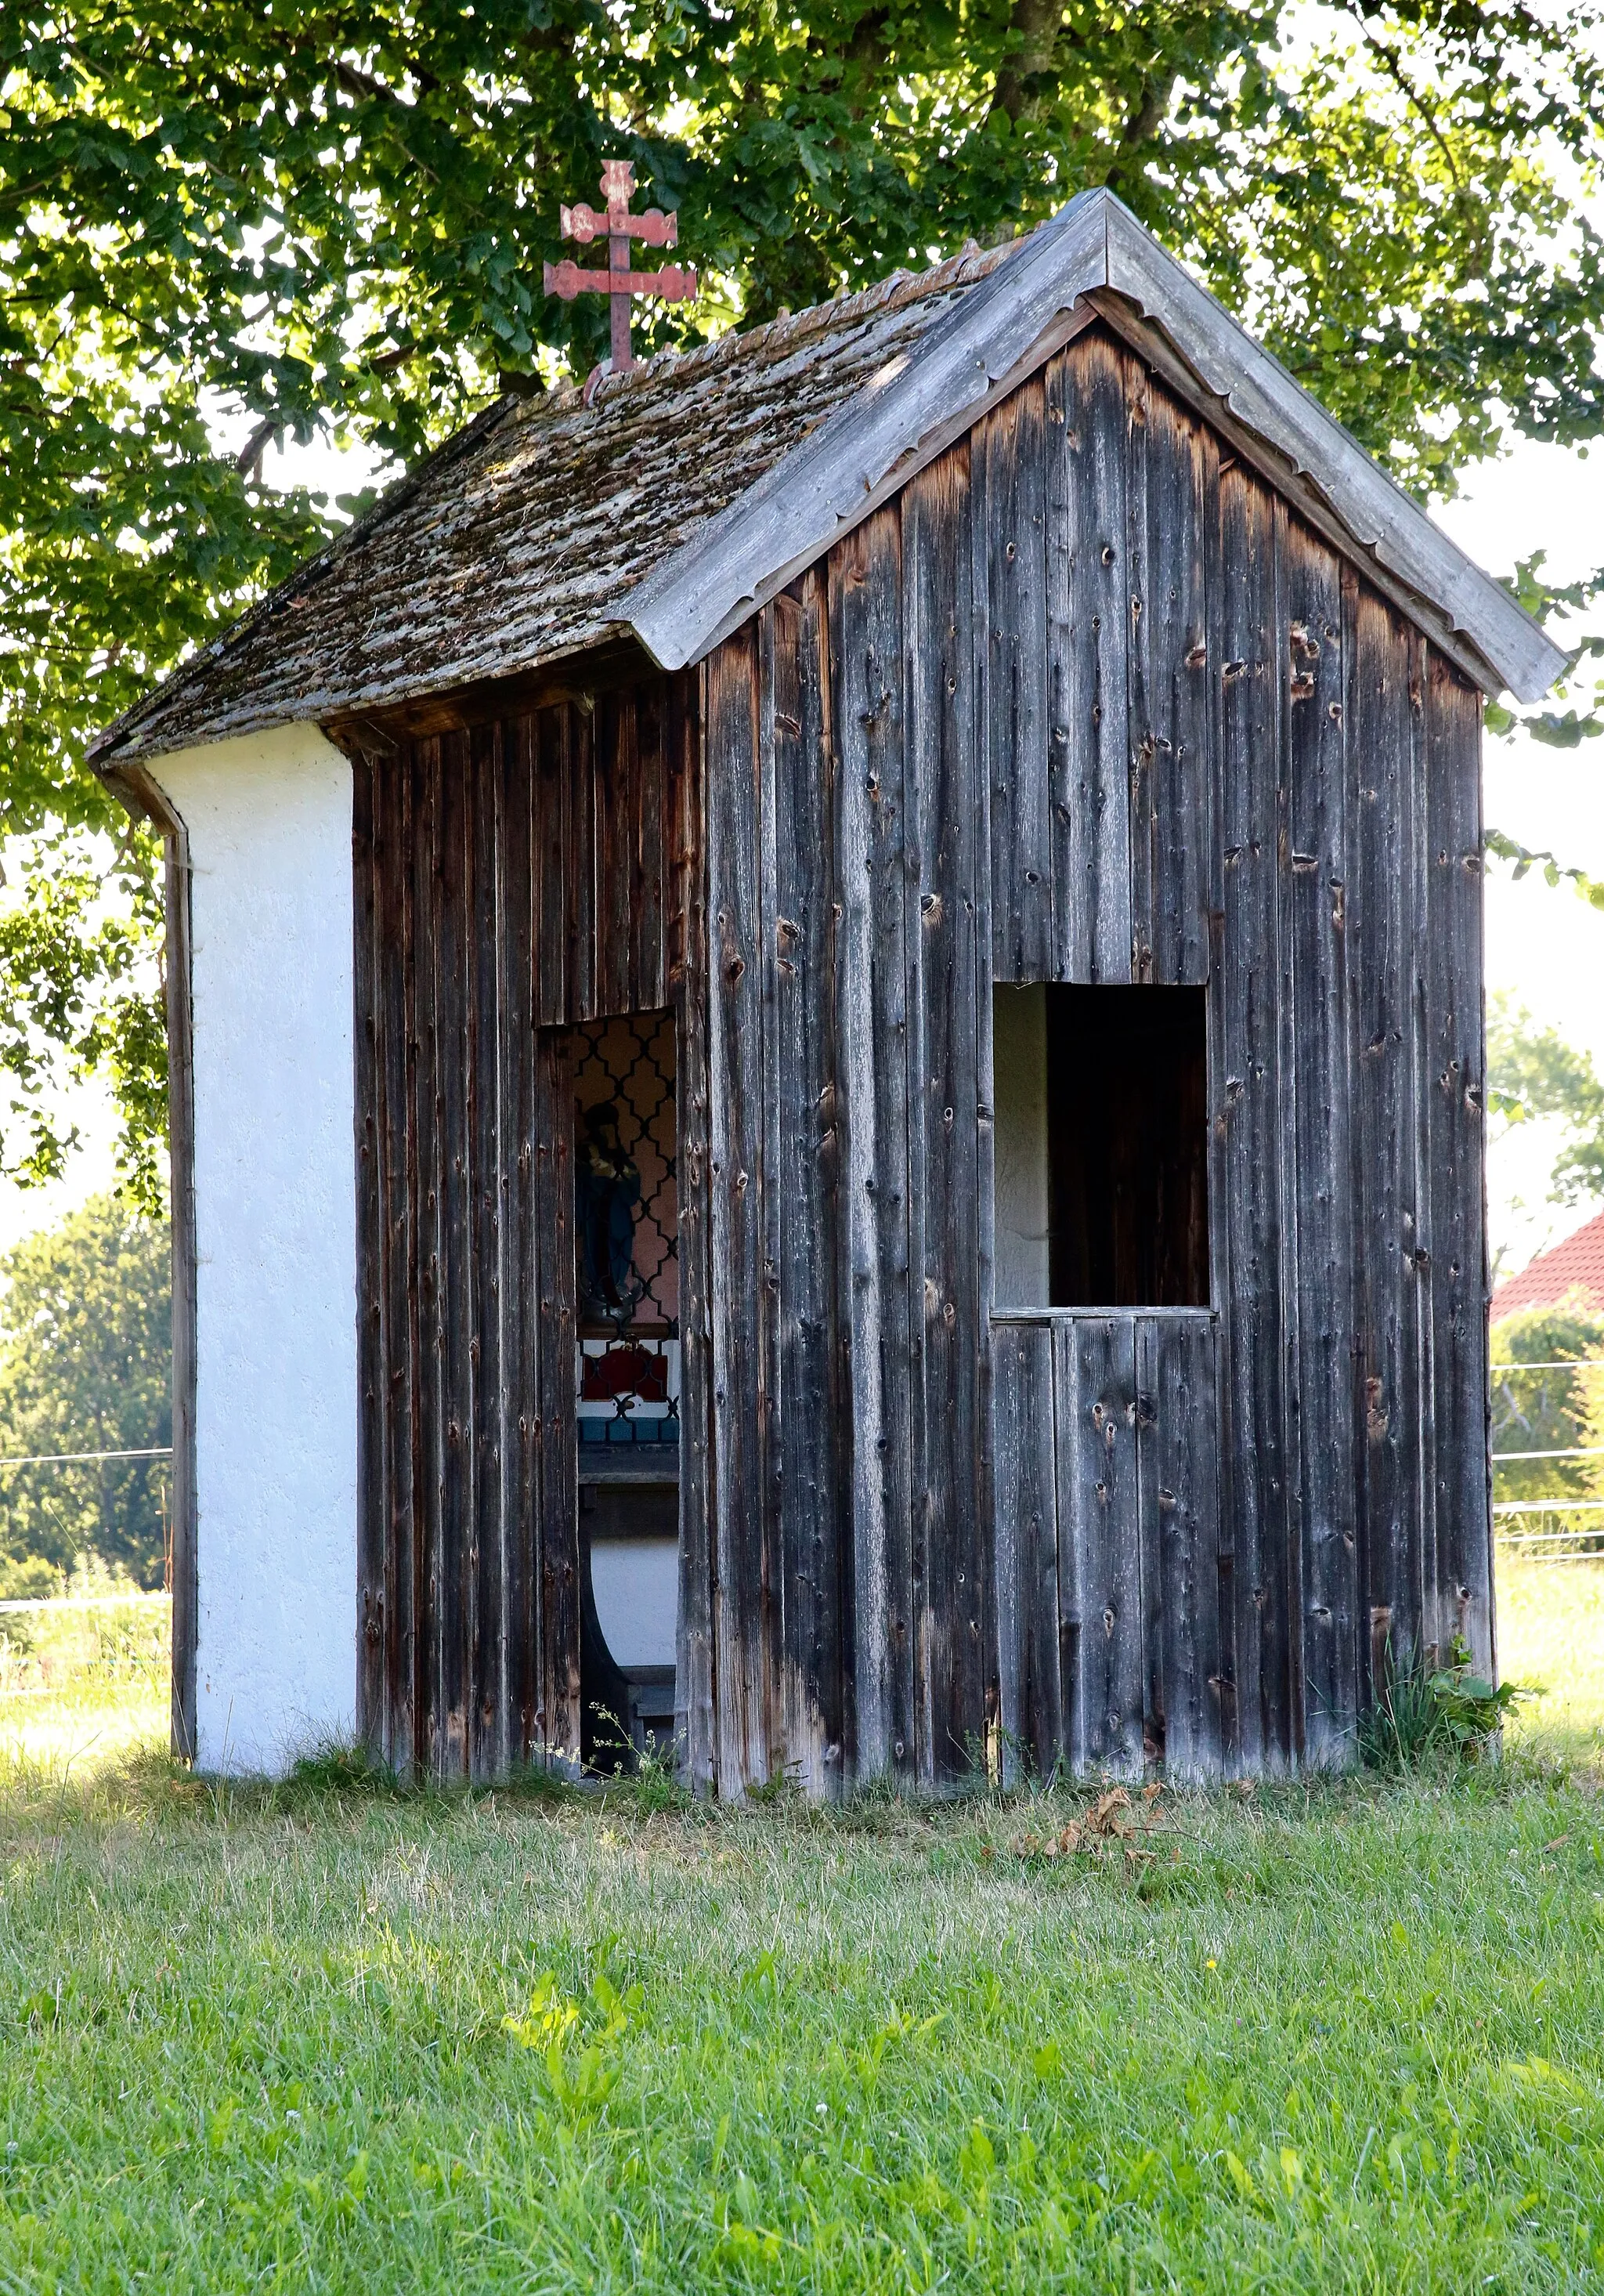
[(618, 226)]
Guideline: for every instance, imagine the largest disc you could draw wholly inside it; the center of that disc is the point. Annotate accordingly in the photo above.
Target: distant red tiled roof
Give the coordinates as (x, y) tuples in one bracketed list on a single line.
[(1570, 1270)]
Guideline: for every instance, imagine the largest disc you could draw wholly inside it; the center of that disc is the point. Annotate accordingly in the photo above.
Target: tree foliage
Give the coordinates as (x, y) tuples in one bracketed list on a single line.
[(306, 218), (86, 1353), (1533, 1073), (1549, 1409)]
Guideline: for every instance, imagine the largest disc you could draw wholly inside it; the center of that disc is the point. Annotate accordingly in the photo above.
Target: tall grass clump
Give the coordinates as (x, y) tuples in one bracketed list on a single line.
[(1425, 1712)]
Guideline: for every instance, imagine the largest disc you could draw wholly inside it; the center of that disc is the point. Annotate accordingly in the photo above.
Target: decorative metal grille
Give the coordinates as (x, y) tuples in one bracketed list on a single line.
[(626, 1230)]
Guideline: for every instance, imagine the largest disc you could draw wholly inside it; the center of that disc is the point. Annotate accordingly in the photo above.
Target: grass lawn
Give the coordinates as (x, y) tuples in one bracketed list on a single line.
[(82, 1684), (1350, 2036)]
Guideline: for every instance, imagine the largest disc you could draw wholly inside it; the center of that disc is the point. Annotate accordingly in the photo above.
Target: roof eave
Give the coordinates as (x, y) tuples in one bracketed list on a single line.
[(1252, 381), (1002, 327)]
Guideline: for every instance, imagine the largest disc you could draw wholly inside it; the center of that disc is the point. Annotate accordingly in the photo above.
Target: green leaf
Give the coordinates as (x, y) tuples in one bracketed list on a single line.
[(185, 232)]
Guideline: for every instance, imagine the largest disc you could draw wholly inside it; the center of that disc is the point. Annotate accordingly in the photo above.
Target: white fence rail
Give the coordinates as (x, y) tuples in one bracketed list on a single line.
[(1561, 1527)]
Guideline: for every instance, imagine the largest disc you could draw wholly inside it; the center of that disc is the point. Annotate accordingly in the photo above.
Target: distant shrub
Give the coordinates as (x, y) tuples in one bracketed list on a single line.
[(1557, 1410), (85, 1364)]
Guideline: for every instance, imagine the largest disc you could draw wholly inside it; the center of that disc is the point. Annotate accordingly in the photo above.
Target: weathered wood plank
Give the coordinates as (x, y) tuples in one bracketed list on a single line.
[(1088, 615), (871, 1023), (793, 515), (1215, 620), (694, 1662), (647, 978), (369, 857), (682, 846), (946, 865), (579, 863), (1099, 1528), (1144, 814), (1178, 1471), (779, 1691), (1174, 734), (486, 1699), (559, 1715), (1149, 1507), (1421, 1460), (181, 1151), (455, 972), (985, 1142), (1317, 1170), (427, 1337), (615, 801), (1010, 450), (1454, 1088), (804, 1187), (553, 802), (515, 1165), (1420, 1450), (398, 965), (1247, 1232), (1028, 1597), (743, 1593), (1382, 952)]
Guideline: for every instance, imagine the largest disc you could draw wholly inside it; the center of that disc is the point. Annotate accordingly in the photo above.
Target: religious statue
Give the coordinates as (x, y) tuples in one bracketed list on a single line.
[(607, 1188)]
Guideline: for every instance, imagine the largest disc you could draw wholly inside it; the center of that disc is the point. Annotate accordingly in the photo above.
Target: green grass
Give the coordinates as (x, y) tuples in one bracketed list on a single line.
[(1550, 1631), (1349, 2035), (83, 1683)]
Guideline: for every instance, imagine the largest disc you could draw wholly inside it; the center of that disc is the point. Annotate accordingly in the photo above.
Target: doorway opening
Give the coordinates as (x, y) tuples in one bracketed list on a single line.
[(627, 1381), (1102, 1146)]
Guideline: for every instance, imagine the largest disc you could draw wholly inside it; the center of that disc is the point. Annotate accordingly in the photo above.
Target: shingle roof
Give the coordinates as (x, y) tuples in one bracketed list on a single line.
[(696, 486), (1572, 1270), (514, 543)]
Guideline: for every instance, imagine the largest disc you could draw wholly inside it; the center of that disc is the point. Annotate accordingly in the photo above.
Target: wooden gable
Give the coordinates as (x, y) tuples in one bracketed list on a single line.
[(1087, 700)]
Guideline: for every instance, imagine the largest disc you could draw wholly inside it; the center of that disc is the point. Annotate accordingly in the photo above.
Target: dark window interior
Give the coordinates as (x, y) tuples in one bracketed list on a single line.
[(1127, 1132)]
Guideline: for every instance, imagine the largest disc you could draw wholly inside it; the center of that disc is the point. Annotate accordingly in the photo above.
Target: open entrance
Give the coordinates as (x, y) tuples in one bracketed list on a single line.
[(1101, 1134), (627, 1375)]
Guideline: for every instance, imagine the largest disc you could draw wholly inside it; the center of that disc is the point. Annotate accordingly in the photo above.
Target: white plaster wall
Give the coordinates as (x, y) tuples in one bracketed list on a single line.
[(269, 822), (1020, 1103), (636, 1584)]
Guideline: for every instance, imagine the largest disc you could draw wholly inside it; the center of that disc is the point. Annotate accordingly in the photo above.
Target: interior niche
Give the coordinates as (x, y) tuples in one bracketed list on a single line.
[(1101, 1187)]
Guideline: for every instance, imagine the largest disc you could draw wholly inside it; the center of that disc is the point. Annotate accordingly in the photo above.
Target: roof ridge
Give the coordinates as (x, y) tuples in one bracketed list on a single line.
[(896, 290), (801, 425), (899, 290)]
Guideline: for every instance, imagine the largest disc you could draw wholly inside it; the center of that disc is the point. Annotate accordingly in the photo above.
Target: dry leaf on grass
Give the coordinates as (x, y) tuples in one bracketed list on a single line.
[(1063, 1844), (1109, 1815)]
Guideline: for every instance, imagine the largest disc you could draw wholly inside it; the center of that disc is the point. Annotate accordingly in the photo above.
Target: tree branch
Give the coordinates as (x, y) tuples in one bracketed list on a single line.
[(248, 462), (1393, 65), (1037, 24)]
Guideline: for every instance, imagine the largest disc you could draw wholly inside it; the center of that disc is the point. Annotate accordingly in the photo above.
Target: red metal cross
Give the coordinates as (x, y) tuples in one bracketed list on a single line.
[(618, 281)]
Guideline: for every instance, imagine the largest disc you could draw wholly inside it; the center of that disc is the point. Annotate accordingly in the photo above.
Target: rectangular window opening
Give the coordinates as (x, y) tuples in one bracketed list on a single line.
[(1101, 1139)]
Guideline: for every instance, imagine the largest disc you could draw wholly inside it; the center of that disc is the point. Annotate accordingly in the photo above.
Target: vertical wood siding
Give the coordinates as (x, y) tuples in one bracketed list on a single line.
[(1108, 1530), (1088, 702), (181, 1149), (1085, 702), (510, 881)]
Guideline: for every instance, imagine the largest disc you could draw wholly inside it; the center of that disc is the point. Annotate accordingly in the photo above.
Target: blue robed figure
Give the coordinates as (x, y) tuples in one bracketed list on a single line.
[(607, 1188)]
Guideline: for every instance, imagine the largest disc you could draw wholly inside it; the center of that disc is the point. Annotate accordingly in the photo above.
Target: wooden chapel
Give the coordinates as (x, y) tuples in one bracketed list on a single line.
[(911, 987)]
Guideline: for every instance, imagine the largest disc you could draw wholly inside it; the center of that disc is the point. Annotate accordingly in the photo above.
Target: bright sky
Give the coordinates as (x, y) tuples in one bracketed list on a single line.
[(1545, 945)]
